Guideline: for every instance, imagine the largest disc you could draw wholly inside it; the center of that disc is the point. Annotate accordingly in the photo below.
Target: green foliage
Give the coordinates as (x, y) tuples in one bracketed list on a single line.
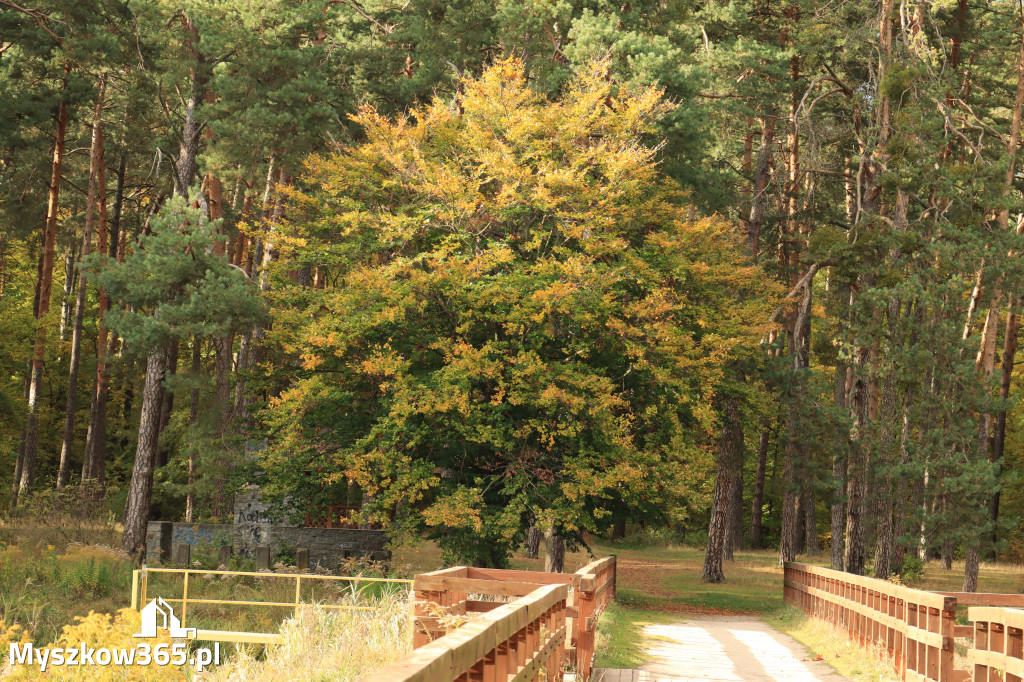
[(173, 286), (912, 571)]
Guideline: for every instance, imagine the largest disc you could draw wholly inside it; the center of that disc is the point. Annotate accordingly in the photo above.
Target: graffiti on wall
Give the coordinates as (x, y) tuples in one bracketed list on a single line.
[(185, 535)]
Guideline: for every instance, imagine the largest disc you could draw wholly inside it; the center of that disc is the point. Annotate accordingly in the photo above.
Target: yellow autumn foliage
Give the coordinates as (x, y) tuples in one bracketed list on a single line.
[(526, 326), (100, 630)]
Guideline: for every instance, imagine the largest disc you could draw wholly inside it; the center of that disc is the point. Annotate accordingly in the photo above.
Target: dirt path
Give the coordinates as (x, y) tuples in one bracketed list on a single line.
[(727, 649)]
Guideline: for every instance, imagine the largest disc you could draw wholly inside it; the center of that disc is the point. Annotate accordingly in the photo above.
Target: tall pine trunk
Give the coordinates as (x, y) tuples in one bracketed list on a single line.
[(729, 455), (811, 546), (761, 178), (839, 460), (28, 459), (141, 488), (140, 491), (1013, 317), (94, 465), (193, 415), (96, 178), (757, 502), (855, 551)]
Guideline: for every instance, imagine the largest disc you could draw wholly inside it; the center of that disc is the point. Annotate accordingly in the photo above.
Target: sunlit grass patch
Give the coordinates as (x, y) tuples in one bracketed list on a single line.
[(327, 645), (620, 638), (832, 645)]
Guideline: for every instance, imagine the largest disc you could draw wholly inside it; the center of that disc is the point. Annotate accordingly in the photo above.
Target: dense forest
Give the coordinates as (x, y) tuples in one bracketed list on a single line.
[(737, 272)]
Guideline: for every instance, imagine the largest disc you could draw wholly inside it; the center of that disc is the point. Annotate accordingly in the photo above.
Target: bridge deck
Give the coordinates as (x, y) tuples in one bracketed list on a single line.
[(609, 675)]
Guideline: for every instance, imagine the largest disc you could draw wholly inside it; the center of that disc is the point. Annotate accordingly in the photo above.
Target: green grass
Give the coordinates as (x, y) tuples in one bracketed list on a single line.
[(620, 636), (669, 579)]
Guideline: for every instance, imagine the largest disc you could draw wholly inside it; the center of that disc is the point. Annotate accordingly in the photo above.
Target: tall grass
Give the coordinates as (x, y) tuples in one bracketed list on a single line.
[(328, 645), (42, 591)]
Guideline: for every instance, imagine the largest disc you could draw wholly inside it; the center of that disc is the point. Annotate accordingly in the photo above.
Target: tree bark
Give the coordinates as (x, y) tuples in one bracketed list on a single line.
[(186, 166), (885, 485), (799, 350), (193, 414), (971, 562), (839, 458), (140, 489), (985, 365), (757, 503), (533, 537), (736, 534), (761, 178), (947, 542), (96, 177), (730, 448), (811, 546), (167, 400), (554, 552), (67, 307), (28, 467), (94, 464), (246, 351), (999, 436), (855, 556)]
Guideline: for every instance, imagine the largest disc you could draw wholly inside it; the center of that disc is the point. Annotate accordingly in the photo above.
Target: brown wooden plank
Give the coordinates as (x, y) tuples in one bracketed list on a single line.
[(963, 631), (535, 577), (991, 614), (930, 599), (986, 599), (475, 586)]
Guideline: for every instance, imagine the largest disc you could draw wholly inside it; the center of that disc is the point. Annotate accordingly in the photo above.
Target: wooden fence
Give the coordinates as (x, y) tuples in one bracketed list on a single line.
[(499, 644), (998, 651), (915, 628)]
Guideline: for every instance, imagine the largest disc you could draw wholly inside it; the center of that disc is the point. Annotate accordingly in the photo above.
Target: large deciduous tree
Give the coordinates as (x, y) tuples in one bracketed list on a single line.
[(526, 328)]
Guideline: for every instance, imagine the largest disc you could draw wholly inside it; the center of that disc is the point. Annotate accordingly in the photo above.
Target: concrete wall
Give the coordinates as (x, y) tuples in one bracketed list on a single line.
[(327, 546)]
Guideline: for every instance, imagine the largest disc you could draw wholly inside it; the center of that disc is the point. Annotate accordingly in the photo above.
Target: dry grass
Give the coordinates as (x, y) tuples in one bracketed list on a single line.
[(327, 645), (833, 646)]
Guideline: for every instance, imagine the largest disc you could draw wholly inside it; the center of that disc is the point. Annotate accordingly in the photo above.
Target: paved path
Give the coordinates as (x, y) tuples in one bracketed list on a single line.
[(728, 649)]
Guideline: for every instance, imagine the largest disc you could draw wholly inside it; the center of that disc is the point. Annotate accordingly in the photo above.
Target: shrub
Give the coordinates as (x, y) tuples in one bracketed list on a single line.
[(101, 630), (912, 571)]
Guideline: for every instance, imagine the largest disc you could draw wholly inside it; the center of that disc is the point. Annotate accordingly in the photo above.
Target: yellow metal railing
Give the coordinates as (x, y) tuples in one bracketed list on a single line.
[(140, 592)]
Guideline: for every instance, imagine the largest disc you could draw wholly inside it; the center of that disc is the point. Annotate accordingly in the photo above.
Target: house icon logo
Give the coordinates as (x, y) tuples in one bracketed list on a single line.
[(159, 609)]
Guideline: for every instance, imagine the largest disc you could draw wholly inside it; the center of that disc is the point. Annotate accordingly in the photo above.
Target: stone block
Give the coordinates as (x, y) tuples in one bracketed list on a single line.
[(182, 554), (262, 557), (165, 536), (224, 556), (302, 559)]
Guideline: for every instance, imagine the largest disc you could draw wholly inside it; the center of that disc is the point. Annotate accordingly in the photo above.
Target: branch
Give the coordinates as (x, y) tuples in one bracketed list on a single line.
[(838, 81), (37, 16), (805, 281), (361, 12)]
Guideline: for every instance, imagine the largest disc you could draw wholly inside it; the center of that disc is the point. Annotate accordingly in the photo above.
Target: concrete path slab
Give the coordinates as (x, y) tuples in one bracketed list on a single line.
[(728, 649)]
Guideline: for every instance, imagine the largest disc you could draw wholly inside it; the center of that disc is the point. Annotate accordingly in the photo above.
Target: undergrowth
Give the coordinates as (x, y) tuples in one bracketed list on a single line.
[(324, 645)]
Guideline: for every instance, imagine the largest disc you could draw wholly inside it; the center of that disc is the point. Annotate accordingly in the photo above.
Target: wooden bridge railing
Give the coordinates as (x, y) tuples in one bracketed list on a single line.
[(914, 627), (445, 598), (518, 641), (998, 652)]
